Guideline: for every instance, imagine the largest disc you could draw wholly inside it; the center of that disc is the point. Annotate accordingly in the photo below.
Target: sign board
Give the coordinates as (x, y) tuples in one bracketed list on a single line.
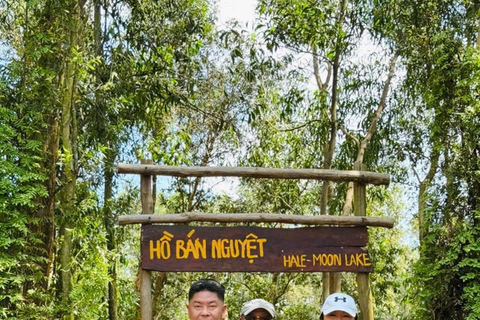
[(254, 249)]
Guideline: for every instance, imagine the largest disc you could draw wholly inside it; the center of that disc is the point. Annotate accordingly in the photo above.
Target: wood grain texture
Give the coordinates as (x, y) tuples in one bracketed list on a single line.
[(254, 249), (256, 218), (270, 173)]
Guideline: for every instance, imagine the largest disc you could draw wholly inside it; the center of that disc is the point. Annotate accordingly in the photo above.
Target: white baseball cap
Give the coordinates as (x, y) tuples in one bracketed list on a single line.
[(340, 302), (254, 304)]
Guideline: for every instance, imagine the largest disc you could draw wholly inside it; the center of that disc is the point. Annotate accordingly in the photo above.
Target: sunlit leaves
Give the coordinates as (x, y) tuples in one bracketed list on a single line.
[(21, 185)]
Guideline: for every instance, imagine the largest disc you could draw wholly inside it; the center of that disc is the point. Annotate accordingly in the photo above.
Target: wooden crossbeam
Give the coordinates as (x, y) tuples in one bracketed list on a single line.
[(257, 218), (271, 173)]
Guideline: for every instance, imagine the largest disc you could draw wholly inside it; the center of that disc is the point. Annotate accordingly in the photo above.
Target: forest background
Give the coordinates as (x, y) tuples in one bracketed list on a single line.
[(84, 85)]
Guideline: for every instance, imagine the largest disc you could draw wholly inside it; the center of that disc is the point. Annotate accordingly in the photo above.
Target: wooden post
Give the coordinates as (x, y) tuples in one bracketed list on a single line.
[(146, 276), (365, 300)]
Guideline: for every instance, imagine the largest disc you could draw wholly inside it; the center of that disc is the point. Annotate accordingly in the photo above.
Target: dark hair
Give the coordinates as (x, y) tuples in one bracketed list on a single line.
[(207, 285)]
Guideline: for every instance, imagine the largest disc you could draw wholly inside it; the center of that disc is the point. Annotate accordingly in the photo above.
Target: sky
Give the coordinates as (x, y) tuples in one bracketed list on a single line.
[(244, 12), (241, 10)]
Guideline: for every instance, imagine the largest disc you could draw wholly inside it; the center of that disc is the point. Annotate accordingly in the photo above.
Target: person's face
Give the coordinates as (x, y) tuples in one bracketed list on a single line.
[(258, 314), (337, 315), (206, 305)]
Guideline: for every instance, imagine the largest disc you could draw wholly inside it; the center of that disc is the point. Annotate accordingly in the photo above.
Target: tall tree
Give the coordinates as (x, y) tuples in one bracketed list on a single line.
[(445, 84), (40, 88), (334, 38)]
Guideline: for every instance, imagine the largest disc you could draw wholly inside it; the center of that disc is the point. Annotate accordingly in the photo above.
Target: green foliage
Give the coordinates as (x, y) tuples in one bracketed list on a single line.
[(392, 255), (21, 185), (445, 276), (26, 93), (299, 22), (154, 79), (448, 271)]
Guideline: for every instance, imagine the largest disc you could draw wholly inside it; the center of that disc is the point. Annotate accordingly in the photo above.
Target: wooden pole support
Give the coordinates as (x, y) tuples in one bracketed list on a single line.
[(271, 173), (365, 299), (256, 217), (146, 309)]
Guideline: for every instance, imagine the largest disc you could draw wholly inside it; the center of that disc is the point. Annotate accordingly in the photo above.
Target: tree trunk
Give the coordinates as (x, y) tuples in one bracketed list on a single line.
[(110, 231), (109, 165), (330, 147), (51, 152), (45, 229), (68, 142), (205, 159), (362, 145), (422, 192), (478, 34), (160, 279), (67, 195)]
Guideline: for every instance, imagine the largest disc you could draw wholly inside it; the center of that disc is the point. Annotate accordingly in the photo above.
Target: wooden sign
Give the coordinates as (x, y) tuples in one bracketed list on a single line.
[(254, 249)]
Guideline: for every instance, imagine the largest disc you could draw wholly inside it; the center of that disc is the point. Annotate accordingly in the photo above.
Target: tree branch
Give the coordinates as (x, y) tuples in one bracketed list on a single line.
[(378, 112), (350, 135), (316, 70)]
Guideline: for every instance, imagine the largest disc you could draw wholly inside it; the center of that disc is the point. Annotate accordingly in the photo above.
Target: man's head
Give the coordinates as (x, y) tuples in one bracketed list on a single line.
[(257, 309), (206, 300)]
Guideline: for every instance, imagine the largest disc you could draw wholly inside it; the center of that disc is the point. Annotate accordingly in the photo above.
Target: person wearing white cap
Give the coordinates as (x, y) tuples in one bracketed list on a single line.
[(257, 309), (339, 306)]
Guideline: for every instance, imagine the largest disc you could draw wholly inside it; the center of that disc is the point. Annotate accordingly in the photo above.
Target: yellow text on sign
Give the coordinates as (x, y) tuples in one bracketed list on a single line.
[(326, 260), (251, 247)]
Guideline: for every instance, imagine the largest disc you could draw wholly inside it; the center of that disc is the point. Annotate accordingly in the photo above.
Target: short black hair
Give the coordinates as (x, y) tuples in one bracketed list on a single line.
[(207, 285)]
